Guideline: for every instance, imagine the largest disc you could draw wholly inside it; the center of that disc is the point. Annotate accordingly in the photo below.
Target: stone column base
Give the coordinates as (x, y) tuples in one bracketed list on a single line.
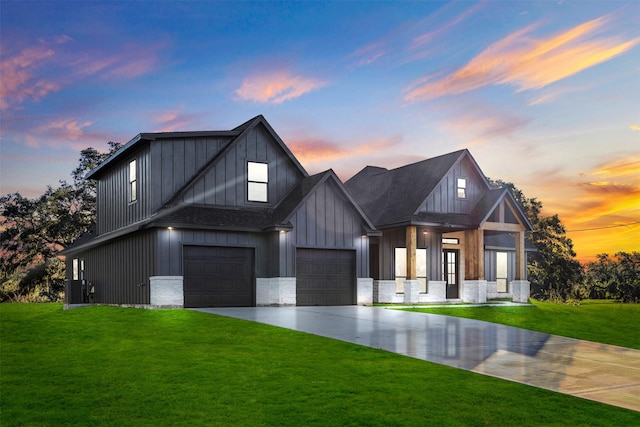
[(166, 291), (411, 292), (520, 289), (275, 291), (384, 292), (474, 291), (364, 291)]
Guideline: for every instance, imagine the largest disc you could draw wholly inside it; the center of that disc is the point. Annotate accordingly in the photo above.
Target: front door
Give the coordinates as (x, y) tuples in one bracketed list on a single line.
[(450, 272)]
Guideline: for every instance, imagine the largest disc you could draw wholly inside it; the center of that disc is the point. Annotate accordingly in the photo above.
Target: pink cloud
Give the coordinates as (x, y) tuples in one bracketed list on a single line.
[(528, 63), (276, 87), (19, 78), (129, 62)]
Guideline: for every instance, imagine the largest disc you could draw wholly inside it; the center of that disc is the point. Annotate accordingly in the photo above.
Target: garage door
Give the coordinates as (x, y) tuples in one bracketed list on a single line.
[(218, 277), (325, 277)]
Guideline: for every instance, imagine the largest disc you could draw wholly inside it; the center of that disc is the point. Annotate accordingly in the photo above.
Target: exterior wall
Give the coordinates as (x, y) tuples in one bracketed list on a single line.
[(114, 209), (444, 198), (170, 243), (396, 238), (490, 264), (176, 161), (325, 221), (117, 271), (225, 183)]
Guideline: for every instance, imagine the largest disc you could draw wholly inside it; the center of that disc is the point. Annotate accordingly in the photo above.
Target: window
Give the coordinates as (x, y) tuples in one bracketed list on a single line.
[(258, 182), (401, 269), (78, 269), (76, 274), (450, 241), (461, 186), (501, 270), (133, 181)]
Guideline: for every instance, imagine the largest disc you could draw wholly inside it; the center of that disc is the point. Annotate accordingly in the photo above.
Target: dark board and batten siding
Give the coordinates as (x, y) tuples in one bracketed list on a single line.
[(225, 184), (115, 210), (444, 198), (176, 161), (118, 272), (326, 221)]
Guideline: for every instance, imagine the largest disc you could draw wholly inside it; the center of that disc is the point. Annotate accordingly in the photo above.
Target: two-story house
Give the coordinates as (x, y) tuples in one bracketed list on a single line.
[(220, 218), (231, 218)]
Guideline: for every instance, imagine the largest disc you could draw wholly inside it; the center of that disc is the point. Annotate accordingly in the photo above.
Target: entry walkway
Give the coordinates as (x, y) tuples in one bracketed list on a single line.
[(600, 372)]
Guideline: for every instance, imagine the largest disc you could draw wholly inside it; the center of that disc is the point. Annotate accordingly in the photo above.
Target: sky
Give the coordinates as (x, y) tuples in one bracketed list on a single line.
[(544, 94)]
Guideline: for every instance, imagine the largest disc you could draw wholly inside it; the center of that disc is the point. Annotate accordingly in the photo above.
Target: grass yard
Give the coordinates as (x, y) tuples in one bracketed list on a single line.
[(115, 366), (602, 321)]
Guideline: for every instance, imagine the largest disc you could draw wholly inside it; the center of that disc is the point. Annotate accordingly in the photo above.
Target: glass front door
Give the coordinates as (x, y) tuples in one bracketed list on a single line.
[(450, 272)]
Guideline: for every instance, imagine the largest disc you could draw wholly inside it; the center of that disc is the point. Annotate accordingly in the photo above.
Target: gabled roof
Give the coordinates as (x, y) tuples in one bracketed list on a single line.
[(393, 196), (233, 135), (241, 131), (486, 206)]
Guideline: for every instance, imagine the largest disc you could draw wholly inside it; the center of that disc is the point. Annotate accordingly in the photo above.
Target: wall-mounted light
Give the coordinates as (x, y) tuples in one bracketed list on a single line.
[(169, 228)]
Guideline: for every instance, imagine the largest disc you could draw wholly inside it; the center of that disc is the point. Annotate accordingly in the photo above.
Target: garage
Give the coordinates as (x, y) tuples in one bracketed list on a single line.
[(325, 277), (219, 277)]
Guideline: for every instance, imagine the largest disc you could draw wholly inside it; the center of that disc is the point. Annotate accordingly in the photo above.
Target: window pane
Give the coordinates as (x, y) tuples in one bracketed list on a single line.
[(75, 269), (134, 192), (258, 172), (401, 262), (462, 183), (257, 192), (501, 265), (462, 193), (421, 263), (132, 171)]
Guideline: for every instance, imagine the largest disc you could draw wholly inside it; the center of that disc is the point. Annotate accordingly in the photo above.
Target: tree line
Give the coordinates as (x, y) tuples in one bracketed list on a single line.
[(33, 231)]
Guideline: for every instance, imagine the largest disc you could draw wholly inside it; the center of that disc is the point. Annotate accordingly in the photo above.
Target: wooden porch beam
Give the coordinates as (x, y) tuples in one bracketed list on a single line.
[(412, 243), (521, 257), (502, 226)]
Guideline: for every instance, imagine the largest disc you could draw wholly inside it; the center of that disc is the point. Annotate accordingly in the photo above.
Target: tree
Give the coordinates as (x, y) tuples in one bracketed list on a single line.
[(34, 230), (553, 271), (615, 277)]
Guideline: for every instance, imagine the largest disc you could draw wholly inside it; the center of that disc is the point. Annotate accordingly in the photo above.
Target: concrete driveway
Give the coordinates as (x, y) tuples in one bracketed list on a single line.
[(600, 372)]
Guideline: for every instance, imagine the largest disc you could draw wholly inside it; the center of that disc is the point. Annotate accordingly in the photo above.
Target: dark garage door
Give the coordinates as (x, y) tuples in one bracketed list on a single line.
[(218, 277), (325, 277)]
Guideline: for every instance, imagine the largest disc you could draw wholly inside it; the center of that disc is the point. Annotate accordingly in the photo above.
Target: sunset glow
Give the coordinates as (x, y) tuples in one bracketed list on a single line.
[(544, 94)]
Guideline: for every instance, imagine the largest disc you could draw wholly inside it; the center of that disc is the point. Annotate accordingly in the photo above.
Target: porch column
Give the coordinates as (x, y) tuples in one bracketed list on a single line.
[(412, 243), (521, 257), (474, 254)]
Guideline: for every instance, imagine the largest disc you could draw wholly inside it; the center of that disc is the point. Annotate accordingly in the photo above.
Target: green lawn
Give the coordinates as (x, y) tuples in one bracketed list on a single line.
[(115, 366), (602, 321)]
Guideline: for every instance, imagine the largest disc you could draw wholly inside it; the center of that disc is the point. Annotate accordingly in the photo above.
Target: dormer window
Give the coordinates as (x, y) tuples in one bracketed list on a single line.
[(257, 182), (133, 181), (461, 188)]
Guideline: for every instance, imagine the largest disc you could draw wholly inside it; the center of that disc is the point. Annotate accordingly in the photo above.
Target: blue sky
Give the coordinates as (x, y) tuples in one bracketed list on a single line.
[(544, 94)]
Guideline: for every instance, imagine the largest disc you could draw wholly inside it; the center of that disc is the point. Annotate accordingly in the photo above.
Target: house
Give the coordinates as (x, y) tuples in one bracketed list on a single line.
[(231, 218), (219, 218), (446, 234)]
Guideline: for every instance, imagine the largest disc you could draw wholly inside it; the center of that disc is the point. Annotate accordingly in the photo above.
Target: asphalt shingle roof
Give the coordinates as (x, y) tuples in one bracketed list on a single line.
[(392, 196)]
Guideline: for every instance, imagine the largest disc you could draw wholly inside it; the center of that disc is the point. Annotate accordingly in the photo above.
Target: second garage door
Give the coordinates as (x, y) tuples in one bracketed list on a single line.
[(325, 277), (218, 277)]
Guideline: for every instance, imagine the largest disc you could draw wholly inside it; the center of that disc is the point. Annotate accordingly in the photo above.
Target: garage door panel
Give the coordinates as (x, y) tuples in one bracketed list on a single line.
[(325, 277), (218, 276)]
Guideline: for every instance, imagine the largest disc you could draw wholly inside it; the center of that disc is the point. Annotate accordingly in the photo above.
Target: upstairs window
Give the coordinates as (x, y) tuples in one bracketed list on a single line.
[(133, 181), (258, 182), (461, 188)]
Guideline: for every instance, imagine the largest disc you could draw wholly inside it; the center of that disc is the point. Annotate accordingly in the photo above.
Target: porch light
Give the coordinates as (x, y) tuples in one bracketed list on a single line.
[(169, 228)]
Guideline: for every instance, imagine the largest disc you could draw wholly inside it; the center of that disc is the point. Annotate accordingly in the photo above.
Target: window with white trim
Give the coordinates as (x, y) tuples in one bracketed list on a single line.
[(133, 181), (401, 268), (461, 188), (257, 182)]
